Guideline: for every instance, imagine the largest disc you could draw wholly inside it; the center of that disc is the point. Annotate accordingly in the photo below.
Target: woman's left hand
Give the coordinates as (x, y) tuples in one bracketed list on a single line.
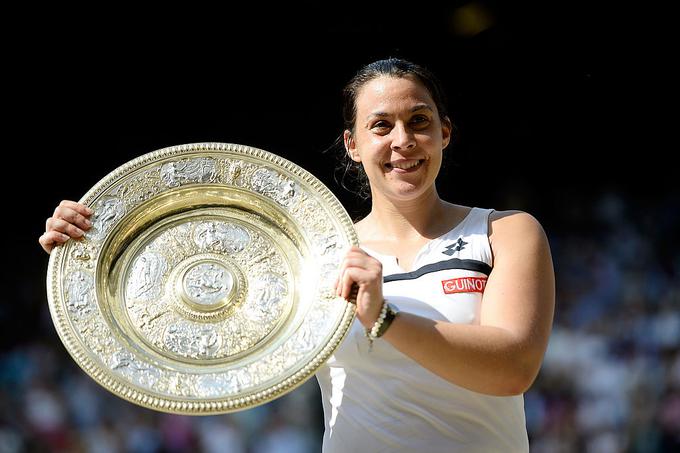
[(362, 269)]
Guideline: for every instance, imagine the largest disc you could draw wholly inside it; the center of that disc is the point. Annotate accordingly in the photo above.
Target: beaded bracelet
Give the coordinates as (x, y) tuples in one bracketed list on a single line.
[(387, 314)]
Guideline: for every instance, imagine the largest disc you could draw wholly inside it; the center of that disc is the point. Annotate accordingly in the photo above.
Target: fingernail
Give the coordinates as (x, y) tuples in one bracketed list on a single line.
[(88, 223), (88, 210), (79, 232)]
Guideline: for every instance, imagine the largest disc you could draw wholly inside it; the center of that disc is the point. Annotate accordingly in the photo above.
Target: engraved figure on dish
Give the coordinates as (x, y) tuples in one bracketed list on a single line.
[(273, 185), (232, 171), (127, 365), (288, 193), (221, 237), (106, 213), (265, 181), (206, 342), (305, 341), (80, 252), (207, 283), (145, 276), (192, 341), (268, 292), (79, 291), (174, 174)]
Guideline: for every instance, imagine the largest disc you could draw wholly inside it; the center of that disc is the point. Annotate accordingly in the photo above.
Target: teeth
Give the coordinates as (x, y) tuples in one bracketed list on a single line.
[(405, 165)]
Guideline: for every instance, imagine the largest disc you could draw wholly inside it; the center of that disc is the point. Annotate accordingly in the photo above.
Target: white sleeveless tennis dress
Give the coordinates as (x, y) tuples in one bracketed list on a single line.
[(383, 401)]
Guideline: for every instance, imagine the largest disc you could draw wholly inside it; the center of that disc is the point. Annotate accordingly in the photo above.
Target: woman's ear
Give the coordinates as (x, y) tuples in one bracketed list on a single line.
[(350, 146), (447, 128)]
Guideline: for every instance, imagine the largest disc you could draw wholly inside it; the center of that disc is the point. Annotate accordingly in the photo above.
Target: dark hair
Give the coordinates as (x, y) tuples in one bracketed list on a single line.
[(392, 67)]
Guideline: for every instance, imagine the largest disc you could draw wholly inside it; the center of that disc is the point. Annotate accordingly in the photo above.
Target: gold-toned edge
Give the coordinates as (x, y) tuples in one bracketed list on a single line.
[(218, 406)]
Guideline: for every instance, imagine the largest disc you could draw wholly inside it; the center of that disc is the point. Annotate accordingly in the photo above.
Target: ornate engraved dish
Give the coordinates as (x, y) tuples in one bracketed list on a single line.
[(205, 283)]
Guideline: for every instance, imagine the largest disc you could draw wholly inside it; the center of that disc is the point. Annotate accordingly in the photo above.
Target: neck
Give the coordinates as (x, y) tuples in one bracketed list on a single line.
[(406, 218)]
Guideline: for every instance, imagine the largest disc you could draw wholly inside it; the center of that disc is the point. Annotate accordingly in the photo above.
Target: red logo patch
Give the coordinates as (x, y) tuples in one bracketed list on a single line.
[(464, 285)]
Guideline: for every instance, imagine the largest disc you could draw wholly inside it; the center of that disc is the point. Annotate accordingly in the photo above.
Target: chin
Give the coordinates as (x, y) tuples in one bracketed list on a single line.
[(407, 193)]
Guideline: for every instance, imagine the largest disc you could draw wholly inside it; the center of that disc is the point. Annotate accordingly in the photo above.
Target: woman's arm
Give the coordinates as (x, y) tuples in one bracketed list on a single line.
[(502, 355)]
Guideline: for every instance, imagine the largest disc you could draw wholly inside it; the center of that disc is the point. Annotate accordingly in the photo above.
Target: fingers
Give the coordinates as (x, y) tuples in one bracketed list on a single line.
[(358, 268), (62, 226), (362, 273), (51, 238), (351, 254), (70, 220), (352, 276), (73, 213), (78, 207)]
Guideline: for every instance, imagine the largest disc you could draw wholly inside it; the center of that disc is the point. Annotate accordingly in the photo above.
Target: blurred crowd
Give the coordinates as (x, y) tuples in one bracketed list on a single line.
[(610, 381)]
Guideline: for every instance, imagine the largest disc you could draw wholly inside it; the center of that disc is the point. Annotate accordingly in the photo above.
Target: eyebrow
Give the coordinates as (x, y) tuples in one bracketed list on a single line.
[(414, 109)]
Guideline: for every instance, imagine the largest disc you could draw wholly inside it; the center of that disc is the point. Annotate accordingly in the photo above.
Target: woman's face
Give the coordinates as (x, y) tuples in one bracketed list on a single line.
[(398, 137)]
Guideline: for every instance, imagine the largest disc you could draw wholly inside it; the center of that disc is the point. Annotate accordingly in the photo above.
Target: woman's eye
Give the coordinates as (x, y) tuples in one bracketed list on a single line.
[(381, 125), (420, 121)]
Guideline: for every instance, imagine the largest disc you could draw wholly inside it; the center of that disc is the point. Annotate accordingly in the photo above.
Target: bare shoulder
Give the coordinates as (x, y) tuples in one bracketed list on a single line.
[(453, 215), (513, 219), (515, 227)]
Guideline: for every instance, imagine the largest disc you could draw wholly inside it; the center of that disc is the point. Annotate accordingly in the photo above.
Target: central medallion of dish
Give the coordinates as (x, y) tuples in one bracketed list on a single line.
[(207, 287)]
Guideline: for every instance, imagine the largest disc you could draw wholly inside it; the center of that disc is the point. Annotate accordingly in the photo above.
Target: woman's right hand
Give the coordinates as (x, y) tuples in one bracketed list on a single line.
[(361, 269), (70, 220)]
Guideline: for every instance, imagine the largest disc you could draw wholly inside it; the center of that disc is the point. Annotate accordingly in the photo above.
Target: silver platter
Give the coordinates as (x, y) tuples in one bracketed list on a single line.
[(205, 284)]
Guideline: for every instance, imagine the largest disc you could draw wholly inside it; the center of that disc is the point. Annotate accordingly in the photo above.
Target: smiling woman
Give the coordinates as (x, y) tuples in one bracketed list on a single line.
[(454, 304), (379, 121), (402, 134)]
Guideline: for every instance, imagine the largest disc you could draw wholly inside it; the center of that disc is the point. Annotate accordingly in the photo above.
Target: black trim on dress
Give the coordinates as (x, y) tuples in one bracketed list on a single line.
[(453, 263)]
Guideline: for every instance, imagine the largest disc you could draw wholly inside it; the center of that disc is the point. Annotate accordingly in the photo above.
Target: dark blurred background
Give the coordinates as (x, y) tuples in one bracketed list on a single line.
[(562, 110)]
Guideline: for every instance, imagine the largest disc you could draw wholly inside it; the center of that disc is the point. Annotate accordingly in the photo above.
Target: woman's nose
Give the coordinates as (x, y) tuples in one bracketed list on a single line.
[(403, 138)]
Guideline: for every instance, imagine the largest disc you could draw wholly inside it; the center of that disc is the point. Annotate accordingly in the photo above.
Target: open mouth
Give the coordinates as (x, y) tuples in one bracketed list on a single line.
[(404, 166)]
